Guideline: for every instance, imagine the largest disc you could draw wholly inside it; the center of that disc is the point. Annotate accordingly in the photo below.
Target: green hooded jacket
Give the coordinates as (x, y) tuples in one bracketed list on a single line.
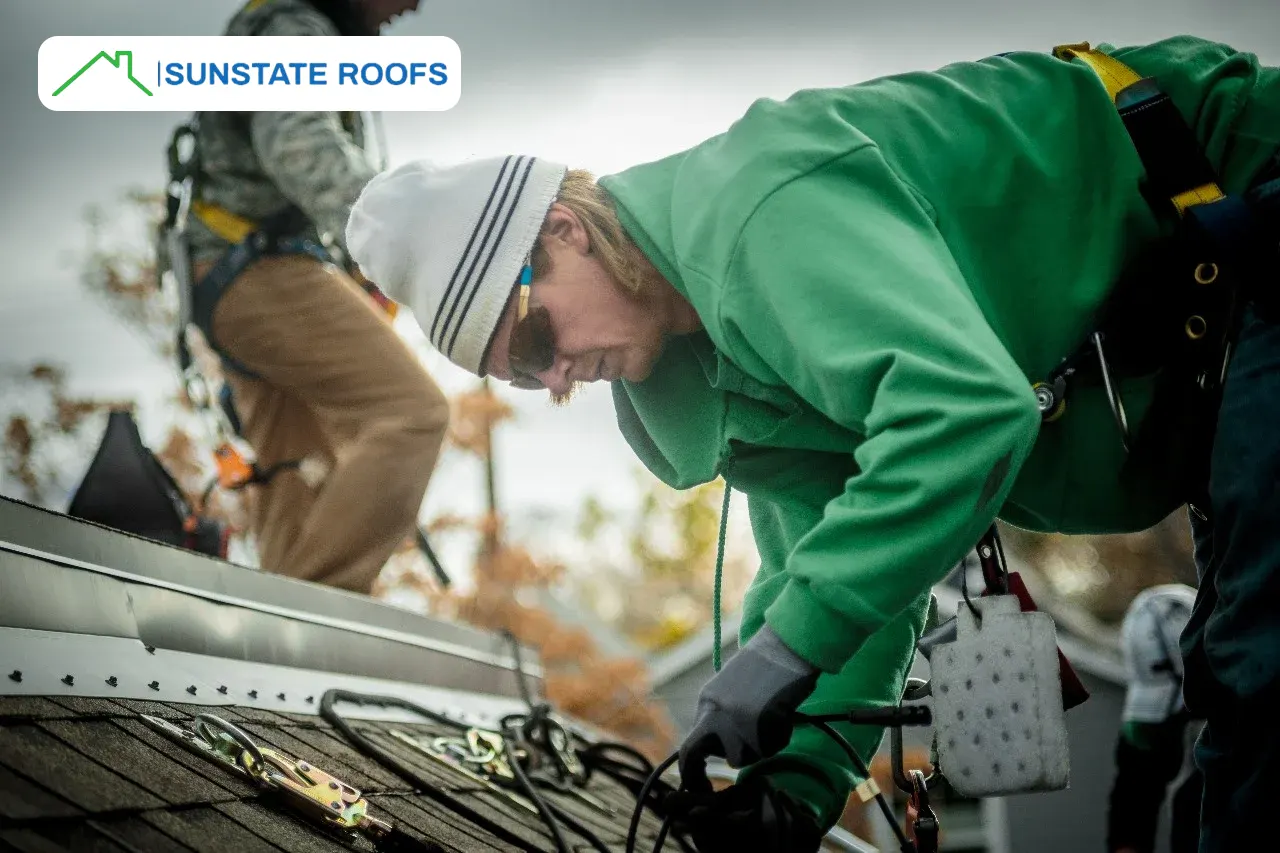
[(882, 271)]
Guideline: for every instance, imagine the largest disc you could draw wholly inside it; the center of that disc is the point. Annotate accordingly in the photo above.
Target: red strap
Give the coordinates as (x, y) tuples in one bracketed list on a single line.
[(912, 815), (1073, 690), (1000, 581)]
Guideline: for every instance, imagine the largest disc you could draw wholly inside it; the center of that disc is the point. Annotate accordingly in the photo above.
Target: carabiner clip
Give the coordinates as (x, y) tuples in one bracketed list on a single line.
[(196, 387), (915, 688), (922, 823)]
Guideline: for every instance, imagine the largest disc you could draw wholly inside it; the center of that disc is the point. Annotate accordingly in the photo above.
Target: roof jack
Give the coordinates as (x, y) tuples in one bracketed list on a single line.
[(320, 797)]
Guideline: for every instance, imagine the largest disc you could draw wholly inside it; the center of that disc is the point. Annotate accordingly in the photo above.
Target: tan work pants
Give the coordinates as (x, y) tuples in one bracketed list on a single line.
[(336, 383)]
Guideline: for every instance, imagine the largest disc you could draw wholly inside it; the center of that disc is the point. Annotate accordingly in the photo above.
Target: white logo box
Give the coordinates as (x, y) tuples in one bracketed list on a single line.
[(247, 74)]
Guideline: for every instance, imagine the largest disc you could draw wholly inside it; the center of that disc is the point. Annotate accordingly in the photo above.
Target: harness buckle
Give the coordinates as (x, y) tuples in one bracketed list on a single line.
[(234, 471)]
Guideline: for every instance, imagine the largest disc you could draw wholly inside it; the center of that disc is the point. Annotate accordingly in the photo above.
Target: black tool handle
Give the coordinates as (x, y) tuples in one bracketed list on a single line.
[(892, 716)]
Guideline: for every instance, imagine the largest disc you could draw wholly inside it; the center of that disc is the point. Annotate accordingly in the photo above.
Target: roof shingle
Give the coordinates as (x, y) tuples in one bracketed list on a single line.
[(89, 774), (57, 767)]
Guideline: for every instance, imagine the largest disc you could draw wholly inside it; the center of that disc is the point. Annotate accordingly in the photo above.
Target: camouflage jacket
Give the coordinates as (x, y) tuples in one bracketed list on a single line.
[(256, 164)]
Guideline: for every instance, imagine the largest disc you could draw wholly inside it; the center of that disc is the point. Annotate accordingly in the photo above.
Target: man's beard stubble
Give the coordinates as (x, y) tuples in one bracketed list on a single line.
[(559, 400)]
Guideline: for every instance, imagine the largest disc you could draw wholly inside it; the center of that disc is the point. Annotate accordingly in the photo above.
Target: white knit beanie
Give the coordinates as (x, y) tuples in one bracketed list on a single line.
[(450, 242)]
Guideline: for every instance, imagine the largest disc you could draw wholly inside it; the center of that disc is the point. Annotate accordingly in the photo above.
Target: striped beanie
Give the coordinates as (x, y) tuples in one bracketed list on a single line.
[(449, 242)]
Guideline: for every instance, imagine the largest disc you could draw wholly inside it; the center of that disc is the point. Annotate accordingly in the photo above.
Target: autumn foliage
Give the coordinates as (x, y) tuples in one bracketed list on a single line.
[(39, 437), (608, 691)]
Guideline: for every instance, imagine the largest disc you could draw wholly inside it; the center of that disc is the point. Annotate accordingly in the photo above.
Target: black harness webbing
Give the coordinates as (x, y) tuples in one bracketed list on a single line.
[(1176, 313)]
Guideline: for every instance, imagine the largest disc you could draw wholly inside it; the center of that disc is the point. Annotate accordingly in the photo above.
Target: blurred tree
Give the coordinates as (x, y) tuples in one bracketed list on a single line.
[(608, 691), (1100, 575), (47, 432), (651, 573), (118, 268)]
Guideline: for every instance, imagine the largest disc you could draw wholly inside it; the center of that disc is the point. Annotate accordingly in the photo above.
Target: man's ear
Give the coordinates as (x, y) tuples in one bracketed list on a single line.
[(563, 226)]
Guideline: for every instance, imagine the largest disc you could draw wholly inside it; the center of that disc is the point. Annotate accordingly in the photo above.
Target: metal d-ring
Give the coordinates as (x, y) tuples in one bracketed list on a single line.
[(206, 722), (1113, 395)]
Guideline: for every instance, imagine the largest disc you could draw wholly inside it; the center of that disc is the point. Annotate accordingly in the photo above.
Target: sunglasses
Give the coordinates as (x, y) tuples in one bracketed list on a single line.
[(532, 349)]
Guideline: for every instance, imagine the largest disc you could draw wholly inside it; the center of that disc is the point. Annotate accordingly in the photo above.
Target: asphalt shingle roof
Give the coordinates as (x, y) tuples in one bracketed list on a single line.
[(88, 775)]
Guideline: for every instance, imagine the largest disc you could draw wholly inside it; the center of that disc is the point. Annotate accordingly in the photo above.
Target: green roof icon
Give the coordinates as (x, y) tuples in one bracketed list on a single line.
[(121, 55)]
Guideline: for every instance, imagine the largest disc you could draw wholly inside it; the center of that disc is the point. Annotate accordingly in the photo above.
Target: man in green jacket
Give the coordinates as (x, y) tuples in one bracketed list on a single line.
[(841, 305)]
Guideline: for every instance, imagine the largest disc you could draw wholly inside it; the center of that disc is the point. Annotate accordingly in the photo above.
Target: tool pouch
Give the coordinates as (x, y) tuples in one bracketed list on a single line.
[(997, 702), (126, 487)]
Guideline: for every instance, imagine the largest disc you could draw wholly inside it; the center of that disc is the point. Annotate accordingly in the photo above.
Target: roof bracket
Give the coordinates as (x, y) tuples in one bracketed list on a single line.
[(318, 795)]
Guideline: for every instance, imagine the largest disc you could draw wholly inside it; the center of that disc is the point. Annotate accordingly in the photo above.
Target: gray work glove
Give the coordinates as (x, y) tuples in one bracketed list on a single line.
[(745, 711)]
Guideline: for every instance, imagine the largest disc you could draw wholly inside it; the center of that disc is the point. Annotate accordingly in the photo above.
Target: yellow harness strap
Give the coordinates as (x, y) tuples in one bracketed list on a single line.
[(235, 228), (1202, 194), (229, 226), (1116, 77)]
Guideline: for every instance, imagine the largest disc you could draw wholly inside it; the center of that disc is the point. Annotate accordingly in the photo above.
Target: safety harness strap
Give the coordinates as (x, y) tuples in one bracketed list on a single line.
[(1175, 314), (1176, 167), (1180, 182), (1115, 75), (227, 225), (207, 292)]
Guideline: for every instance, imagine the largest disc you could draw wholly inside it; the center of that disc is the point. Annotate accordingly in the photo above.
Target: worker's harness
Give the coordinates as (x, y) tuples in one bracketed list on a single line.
[(1175, 318), (1176, 314), (285, 233), (282, 234)]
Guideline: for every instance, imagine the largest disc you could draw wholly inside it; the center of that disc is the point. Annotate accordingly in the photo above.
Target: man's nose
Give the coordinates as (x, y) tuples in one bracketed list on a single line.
[(556, 377)]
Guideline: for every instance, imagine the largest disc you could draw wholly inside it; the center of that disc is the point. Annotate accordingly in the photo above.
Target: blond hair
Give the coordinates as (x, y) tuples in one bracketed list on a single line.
[(610, 245)]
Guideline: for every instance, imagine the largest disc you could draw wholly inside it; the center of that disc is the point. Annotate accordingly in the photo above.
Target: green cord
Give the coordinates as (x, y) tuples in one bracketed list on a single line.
[(715, 598)]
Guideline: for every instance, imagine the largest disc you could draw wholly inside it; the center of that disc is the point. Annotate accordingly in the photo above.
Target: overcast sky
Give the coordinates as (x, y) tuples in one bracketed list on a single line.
[(599, 84)]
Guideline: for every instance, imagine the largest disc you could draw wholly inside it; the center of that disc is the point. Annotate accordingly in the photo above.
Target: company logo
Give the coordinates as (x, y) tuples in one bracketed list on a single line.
[(245, 74), (124, 56)]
